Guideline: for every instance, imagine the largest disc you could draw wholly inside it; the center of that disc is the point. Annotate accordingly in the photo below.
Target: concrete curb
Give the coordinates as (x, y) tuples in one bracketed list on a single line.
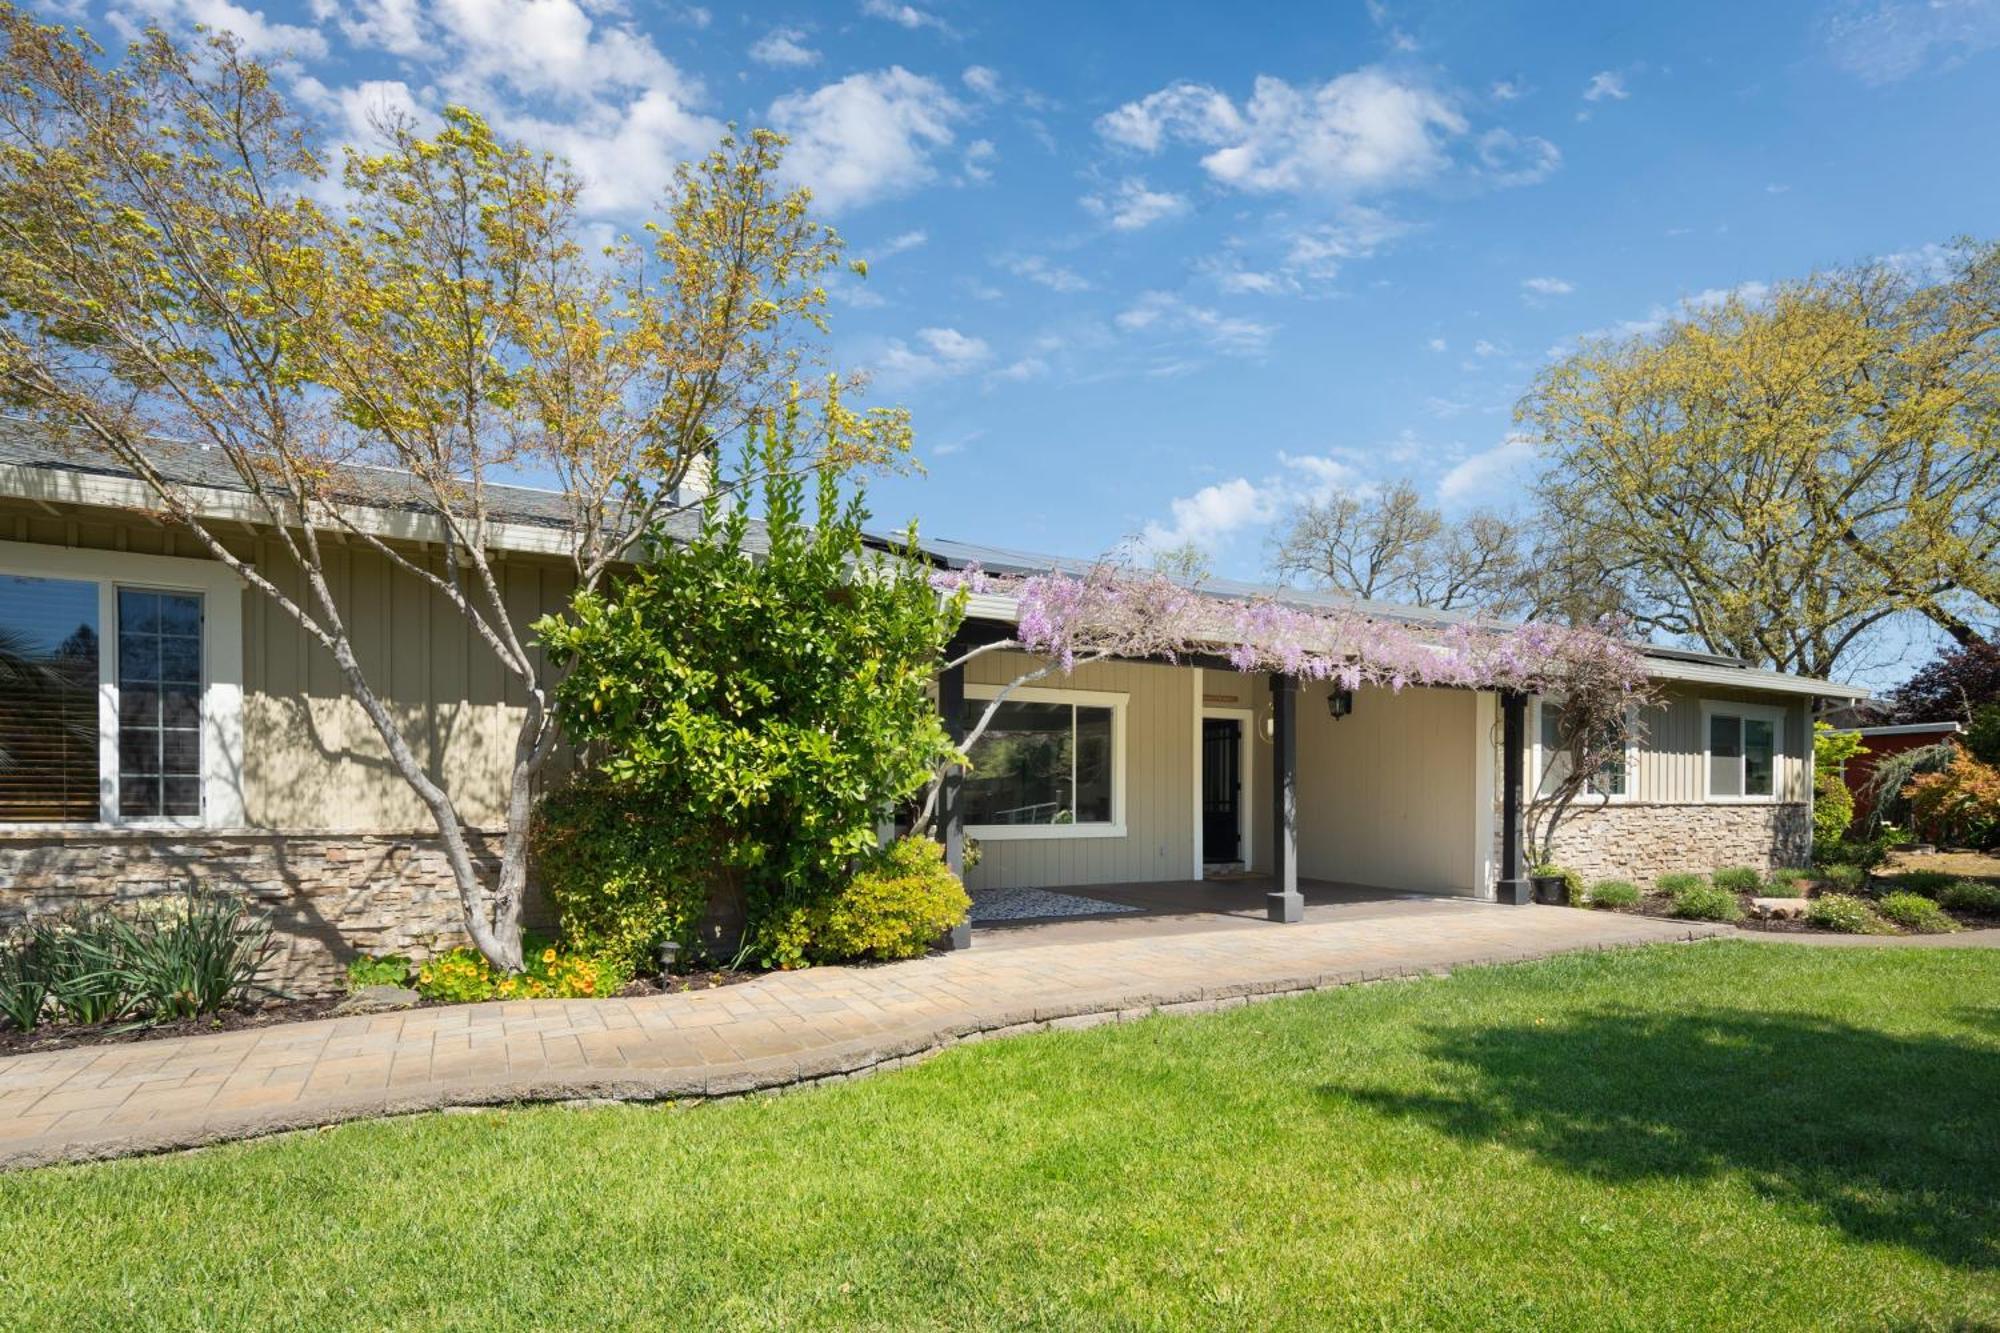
[(832, 1064)]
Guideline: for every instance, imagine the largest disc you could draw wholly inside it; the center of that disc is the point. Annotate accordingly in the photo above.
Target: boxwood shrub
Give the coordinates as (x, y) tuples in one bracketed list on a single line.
[(1705, 902), (1679, 882), (1613, 893), (1738, 879)]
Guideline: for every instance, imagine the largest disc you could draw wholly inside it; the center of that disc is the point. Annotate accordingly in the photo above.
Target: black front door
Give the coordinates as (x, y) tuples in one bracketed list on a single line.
[(1221, 790)]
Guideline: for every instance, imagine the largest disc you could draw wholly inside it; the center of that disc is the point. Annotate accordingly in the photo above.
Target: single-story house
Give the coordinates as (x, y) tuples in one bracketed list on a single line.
[(204, 735)]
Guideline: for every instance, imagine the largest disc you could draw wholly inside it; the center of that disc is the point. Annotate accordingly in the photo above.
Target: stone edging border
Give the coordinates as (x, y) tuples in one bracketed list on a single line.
[(833, 1064)]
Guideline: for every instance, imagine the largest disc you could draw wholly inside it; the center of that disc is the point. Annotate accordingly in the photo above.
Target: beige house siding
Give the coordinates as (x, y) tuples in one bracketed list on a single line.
[(1159, 776), (311, 759), (1670, 764)]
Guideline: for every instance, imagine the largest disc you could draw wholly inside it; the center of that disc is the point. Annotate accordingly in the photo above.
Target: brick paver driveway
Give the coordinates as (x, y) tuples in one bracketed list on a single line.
[(104, 1101)]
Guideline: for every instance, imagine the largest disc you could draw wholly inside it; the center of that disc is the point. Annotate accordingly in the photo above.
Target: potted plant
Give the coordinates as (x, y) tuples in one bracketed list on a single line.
[(1556, 886)]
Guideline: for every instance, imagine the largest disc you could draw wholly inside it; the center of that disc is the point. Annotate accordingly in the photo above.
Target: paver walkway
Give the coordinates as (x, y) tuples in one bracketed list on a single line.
[(104, 1101)]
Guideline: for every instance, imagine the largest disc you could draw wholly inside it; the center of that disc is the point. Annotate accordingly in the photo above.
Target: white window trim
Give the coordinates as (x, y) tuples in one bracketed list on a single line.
[(221, 665), (1762, 712), (1085, 698), (1626, 797)]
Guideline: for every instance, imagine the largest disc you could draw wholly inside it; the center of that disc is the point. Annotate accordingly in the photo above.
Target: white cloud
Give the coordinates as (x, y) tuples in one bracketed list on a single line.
[(867, 137), (1166, 313), (1507, 158), (1893, 39), (1485, 348), (1368, 129), (1131, 206), (1437, 344), (1547, 286), (784, 47), (1052, 276), (261, 37), (907, 16), (396, 26), (1482, 477), (1211, 515), (1027, 368), (357, 110), (574, 77), (1356, 233), (1606, 84), (908, 240), (977, 162), (982, 80), (1507, 90), (1218, 512), (940, 352), (1660, 315)]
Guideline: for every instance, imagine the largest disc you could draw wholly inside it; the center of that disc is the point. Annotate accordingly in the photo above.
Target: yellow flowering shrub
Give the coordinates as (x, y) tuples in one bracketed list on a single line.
[(463, 976)]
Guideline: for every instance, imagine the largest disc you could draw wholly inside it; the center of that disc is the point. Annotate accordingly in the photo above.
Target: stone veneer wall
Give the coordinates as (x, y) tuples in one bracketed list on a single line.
[(330, 895), (1642, 842)]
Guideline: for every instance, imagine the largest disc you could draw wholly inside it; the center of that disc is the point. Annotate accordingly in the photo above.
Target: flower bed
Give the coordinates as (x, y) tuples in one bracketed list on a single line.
[(1909, 895)]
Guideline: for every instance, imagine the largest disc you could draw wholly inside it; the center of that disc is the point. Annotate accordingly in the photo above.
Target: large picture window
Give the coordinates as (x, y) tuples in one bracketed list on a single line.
[(1050, 763), (121, 688), (1743, 744), (48, 701)]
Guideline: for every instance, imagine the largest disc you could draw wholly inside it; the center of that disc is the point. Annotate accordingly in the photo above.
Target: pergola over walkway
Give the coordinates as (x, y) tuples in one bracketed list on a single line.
[(1283, 900)]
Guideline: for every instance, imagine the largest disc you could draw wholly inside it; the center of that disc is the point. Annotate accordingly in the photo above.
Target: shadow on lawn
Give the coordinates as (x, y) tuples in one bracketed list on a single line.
[(1892, 1139)]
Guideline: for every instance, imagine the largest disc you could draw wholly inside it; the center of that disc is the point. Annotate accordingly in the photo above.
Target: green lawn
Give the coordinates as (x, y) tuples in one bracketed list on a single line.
[(1739, 1135)]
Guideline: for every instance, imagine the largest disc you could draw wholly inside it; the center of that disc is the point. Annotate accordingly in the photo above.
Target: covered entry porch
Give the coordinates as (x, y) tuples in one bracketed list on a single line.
[(1149, 793)]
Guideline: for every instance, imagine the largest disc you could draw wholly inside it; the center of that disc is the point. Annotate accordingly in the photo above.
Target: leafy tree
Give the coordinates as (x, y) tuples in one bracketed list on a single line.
[(165, 271), (1391, 546), (762, 708), (1773, 478), (1950, 688), (1833, 800)]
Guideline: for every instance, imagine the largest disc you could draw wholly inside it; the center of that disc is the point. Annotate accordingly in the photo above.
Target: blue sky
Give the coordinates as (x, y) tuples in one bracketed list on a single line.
[(1156, 270)]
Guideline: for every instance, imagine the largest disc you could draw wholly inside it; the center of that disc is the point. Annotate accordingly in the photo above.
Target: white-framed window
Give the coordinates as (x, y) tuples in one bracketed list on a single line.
[(1742, 746), (1613, 782), (1051, 764), (122, 700)]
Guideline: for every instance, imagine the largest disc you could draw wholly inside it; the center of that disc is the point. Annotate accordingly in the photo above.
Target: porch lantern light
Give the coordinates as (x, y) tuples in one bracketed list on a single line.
[(670, 954), (1339, 703)]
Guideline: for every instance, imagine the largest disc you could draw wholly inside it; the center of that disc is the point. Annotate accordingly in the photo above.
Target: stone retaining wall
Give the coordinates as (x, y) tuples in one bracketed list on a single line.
[(1642, 842), (330, 895)]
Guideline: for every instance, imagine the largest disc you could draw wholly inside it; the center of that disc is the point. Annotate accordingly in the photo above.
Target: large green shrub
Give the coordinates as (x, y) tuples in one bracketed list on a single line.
[(1843, 876), (1707, 903), (620, 886), (1914, 912), (896, 906), (751, 713)]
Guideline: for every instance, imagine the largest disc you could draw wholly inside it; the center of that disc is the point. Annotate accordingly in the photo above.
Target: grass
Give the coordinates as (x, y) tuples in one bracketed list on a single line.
[(1717, 1135)]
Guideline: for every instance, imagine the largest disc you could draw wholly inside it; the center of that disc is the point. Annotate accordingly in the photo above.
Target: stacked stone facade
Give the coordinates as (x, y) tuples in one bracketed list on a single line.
[(1641, 842), (330, 896)]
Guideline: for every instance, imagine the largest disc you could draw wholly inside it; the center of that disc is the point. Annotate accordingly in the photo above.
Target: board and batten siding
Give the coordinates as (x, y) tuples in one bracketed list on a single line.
[(311, 758), (1159, 777), (1670, 763)]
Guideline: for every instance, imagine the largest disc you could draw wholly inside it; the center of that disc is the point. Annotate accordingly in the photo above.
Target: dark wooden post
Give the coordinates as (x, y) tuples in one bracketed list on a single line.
[(1513, 885), (951, 793), (1283, 902)]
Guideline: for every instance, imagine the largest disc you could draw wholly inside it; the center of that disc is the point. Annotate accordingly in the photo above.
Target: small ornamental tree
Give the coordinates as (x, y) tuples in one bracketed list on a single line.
[(167, 270), (755, 712), (1833, 802)]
